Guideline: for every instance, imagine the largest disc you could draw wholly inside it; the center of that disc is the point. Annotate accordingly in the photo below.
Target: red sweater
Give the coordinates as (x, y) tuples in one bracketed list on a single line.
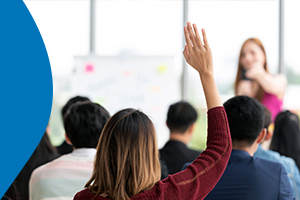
[(201, 176)]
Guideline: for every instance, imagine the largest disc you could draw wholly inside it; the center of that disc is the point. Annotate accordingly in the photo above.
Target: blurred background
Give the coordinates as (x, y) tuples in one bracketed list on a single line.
[(129, 53)]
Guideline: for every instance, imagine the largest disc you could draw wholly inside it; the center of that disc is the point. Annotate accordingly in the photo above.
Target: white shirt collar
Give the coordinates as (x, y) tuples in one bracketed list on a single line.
[(84, 152)]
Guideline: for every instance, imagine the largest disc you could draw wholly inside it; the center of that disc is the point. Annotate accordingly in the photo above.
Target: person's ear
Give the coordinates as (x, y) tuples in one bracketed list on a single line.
[(262, 135), (191, 128), (48, 130), (68, 139), (269, 135)]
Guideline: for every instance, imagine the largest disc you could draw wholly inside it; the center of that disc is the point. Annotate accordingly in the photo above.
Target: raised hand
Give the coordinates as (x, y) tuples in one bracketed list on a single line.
[(196, 54), (200, 58)]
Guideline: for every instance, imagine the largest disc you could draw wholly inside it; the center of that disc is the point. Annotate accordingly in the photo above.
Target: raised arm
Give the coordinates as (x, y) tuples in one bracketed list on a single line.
[(203, 174), (199, 56)]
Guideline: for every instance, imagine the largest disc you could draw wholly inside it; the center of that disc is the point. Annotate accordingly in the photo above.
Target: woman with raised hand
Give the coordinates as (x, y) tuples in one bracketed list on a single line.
[(253, 78), (127, 160)]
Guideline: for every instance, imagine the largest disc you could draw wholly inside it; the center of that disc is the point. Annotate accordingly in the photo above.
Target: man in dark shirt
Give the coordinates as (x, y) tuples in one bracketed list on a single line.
[(181, 120), (247, 177)]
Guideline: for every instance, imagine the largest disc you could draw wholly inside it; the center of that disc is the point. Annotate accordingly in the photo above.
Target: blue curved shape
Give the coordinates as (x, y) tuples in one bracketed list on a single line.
[(25, 86)]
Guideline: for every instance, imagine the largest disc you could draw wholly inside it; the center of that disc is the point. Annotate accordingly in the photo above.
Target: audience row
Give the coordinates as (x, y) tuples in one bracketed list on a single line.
[(116, 157)]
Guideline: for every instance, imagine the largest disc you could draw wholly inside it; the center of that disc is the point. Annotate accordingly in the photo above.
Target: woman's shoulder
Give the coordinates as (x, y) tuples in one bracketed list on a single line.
[(82, 194), (86, 195)]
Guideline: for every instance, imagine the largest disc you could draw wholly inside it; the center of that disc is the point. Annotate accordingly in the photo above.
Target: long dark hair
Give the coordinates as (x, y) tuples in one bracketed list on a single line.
[(286, 137), (12, 193), (43, 153), (127, 159)]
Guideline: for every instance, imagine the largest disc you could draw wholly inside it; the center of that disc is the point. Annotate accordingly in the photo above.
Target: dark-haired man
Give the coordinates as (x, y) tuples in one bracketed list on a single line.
[(65, 148), (63, 177), (247, 177), (181, 120)]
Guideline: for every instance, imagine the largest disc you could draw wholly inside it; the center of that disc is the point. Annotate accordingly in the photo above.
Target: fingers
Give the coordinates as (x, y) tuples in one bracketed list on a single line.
[(198, 39), (193, 39), (187, 39), (186, 54), (191, 33), (205, 39)]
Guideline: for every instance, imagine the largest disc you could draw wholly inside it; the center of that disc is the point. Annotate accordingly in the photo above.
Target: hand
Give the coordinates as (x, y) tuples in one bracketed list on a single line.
[(196, 54), (245, 88), (255, 71), (199, 57)]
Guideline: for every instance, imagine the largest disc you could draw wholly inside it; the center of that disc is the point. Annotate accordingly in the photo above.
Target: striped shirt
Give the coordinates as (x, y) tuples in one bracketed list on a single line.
[(62, 178)]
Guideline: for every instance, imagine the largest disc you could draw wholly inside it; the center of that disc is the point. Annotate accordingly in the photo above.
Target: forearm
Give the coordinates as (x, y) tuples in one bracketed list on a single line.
[(211, 92), (270, 84)]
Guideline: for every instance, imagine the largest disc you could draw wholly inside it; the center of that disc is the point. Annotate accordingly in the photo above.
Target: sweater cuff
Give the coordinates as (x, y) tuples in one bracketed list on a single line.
[(214, 110)]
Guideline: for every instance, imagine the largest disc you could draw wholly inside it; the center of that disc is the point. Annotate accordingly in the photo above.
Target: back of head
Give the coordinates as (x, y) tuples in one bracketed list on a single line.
[(84, 122), (127, 161), (268, 118), (71, 102), (286, 136), (181, 116), (245, 118)]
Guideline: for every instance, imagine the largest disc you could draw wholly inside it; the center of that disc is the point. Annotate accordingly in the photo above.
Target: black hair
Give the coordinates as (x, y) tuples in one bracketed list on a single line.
[(286, 136), (181, 116), (71, 102), (268, 118), (245, 117), (12, 193), (43, 153), (84, 122)]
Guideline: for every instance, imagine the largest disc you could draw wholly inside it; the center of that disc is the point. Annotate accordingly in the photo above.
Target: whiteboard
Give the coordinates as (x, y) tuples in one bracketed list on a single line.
[(147, 83)]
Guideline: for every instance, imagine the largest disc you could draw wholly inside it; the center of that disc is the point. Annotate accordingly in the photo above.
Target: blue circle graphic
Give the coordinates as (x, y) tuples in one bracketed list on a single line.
[(25, 86)]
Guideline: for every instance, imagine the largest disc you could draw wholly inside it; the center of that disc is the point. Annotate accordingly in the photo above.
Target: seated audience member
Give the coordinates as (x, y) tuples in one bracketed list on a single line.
[(164, 169), (247, 177), (181, 120), (127, 161), (288, 163), (12, 193), (64, 176), (286, 137), (43, 153), (66, 148)]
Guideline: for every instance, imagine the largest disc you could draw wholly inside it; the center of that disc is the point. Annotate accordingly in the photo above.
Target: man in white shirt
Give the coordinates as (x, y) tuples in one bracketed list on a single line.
[(62, 178)]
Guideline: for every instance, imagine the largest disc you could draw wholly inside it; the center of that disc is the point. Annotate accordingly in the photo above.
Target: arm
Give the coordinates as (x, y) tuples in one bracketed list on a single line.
[(203, 174), (271, 84), (295, 179), (285, 189), (246, 88), (199, 56)]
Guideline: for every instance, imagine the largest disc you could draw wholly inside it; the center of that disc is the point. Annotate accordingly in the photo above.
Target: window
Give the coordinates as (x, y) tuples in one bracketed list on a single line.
[(228, 24), (291, 53)]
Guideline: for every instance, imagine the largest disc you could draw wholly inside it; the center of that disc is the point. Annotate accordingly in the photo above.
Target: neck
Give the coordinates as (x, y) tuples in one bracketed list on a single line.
[(180, 137), (249, 149)]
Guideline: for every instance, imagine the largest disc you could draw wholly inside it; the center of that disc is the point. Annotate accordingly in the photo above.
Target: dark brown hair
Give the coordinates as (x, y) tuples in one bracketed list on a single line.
[(127, 160)]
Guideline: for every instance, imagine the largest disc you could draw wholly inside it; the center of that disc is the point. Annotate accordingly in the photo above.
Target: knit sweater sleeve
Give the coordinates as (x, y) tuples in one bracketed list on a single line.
[(202, 175)]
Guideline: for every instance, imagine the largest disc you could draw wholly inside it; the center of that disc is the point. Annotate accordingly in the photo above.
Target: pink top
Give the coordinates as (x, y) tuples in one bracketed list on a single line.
[(273, 104)]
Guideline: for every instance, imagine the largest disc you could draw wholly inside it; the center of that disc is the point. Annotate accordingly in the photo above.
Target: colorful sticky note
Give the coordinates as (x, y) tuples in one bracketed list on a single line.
[(162, 69), (89, 68)]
